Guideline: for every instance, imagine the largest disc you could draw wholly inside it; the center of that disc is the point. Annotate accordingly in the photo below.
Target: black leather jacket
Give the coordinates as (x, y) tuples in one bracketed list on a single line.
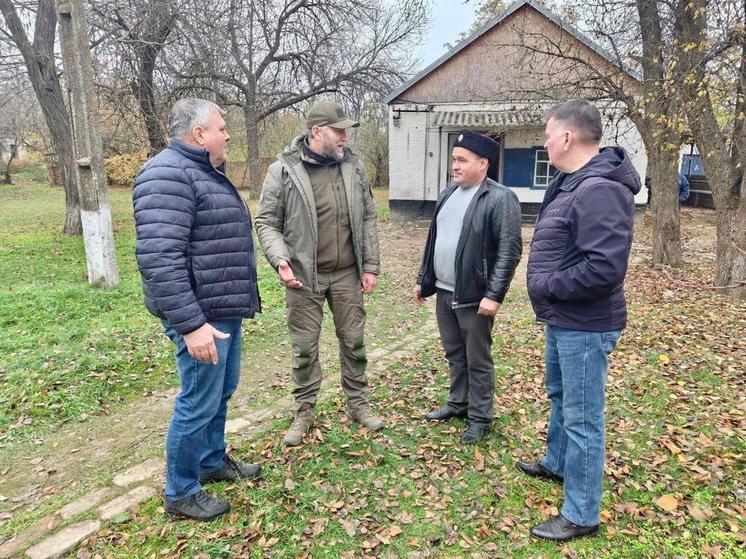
[(488, 250)]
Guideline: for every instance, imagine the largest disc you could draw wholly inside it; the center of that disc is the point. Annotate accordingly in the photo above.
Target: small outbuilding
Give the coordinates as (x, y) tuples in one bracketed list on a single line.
[(499, 81)]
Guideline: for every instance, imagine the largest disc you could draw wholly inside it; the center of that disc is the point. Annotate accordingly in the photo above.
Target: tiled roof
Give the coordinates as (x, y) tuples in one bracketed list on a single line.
[(499, 120)]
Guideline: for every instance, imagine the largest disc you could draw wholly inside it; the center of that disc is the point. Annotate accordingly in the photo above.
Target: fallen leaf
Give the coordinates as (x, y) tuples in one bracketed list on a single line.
[(480, 459), (668, 503)]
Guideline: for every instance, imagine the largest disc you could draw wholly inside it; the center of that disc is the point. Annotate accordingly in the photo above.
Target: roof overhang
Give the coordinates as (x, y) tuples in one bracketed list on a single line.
[(489, 120)]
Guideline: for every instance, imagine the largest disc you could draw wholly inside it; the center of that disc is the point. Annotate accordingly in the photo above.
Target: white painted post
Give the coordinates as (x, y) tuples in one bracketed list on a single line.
[(95, 210)]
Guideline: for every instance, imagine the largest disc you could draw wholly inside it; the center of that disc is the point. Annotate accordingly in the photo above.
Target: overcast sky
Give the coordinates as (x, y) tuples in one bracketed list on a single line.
[(449, 19)]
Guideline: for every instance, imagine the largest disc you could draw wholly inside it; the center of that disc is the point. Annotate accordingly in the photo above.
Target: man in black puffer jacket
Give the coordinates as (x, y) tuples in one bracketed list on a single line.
[(576, 272), (197, 259), (472, 250)]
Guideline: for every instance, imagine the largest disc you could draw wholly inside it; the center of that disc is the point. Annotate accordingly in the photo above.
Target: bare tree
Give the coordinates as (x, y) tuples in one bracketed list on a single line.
[(709, 66), (132, 35), (39, 60), (635, 83), (17, 112), (279, 53), (372, 139)]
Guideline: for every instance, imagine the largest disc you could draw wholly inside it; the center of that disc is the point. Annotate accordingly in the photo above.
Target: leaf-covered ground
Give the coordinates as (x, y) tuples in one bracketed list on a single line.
[(675, 478)]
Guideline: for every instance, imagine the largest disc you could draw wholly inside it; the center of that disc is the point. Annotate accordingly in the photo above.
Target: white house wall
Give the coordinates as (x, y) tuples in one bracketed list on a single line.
[(419, 160), (623, 133), (415, 153)]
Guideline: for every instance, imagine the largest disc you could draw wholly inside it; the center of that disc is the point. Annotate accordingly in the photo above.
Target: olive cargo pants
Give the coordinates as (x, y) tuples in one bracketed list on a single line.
[(305, 312)]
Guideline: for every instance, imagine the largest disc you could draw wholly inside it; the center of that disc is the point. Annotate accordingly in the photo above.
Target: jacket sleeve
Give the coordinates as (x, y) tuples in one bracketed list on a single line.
[(165, 207), (603, 217), (506, 228), (371, 252), (270, 219)]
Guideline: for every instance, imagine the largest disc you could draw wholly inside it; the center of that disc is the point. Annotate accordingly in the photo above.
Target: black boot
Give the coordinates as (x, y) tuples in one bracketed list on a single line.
[(475, 433), (537, 470), (445, 413)]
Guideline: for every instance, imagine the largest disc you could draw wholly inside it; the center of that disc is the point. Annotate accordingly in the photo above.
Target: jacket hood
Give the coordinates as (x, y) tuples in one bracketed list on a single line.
[(611, 163)]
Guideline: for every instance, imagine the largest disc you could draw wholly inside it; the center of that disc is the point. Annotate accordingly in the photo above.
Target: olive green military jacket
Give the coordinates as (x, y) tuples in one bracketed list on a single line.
[(286, 222)]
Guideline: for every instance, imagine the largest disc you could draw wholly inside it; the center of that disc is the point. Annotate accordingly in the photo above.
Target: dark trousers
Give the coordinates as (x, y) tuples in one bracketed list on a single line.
[(467, 341)]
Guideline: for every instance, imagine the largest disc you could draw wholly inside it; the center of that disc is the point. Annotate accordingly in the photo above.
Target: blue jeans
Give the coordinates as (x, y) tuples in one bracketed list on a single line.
[(196, 436), (576, 364)]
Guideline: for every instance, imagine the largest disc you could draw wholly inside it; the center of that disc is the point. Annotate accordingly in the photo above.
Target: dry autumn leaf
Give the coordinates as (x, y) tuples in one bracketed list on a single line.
[(668, 503)]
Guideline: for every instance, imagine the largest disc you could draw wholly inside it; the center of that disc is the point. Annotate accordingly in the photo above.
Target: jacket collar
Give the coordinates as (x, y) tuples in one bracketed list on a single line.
[(196, 154)]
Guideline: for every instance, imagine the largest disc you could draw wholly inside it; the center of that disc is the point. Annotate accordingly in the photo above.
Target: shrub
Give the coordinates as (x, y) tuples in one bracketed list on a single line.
[(121, 170)]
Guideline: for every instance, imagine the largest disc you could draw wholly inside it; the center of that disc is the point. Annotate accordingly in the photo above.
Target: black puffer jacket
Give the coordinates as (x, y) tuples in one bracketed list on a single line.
[(581, 244), (195, 251), (489, 247)]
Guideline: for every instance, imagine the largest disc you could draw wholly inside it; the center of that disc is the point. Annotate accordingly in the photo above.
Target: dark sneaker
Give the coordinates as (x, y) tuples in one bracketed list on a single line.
[(200, 506), (232, 470), (559, 529)]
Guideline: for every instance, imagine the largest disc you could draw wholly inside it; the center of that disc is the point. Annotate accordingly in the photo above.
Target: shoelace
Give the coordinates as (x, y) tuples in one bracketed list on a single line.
[(233, 464)]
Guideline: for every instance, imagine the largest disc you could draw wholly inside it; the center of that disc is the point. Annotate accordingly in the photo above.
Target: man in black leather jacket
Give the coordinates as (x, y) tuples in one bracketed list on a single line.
[(472, 250)]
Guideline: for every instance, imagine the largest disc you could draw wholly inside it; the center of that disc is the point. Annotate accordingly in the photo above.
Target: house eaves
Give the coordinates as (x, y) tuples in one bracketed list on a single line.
[(515, 6)]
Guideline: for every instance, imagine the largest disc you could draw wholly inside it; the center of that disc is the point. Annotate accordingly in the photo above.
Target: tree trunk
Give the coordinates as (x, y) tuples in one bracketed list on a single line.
[(665, 208), (723, 163), (7, 179), (157, 28), (72, 225), (730, 260), (252, 142), (40, 65), (143, 90)]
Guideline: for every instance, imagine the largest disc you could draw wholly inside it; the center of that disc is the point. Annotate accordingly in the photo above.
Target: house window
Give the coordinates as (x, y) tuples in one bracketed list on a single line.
[(543, 170)]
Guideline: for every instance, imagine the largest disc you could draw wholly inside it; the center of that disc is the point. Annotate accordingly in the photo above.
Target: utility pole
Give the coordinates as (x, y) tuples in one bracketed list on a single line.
[(95, 210)]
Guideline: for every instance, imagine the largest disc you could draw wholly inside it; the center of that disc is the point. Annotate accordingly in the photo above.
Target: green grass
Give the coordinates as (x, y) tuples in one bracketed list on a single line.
[(413, 491), (70, 350), (675, 425)]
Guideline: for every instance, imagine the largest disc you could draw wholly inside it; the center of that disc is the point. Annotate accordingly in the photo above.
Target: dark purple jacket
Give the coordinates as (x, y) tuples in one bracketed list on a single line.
[(581, 245)]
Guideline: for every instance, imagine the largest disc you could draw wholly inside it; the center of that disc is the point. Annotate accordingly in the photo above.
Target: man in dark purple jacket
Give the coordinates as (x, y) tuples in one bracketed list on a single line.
[(576, 271)]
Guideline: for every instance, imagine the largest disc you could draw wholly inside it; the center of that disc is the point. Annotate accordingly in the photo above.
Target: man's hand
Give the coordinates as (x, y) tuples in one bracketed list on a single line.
[(287, 277), (368, 282), (417, 294), (488, 307), (201, 343)]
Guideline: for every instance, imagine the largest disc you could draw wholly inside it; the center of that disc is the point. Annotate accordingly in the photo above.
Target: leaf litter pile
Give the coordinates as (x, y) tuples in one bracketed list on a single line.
[(675, 482)]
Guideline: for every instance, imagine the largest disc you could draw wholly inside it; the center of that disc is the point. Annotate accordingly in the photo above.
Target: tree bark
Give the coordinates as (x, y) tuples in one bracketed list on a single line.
[(252, 142), (157, 28), (143, 89), (39, 60), (723, 160), (665, 207)]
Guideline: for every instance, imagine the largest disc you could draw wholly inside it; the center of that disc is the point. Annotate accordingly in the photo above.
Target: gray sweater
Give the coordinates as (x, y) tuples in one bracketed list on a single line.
[(449, 223)]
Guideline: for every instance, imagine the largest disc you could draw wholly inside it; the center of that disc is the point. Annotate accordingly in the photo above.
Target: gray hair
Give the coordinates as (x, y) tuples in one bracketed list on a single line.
[(580, 115), (188, 113)]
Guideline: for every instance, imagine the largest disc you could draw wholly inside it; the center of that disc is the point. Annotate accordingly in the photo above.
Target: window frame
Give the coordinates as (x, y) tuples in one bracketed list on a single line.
[(551, 169)]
